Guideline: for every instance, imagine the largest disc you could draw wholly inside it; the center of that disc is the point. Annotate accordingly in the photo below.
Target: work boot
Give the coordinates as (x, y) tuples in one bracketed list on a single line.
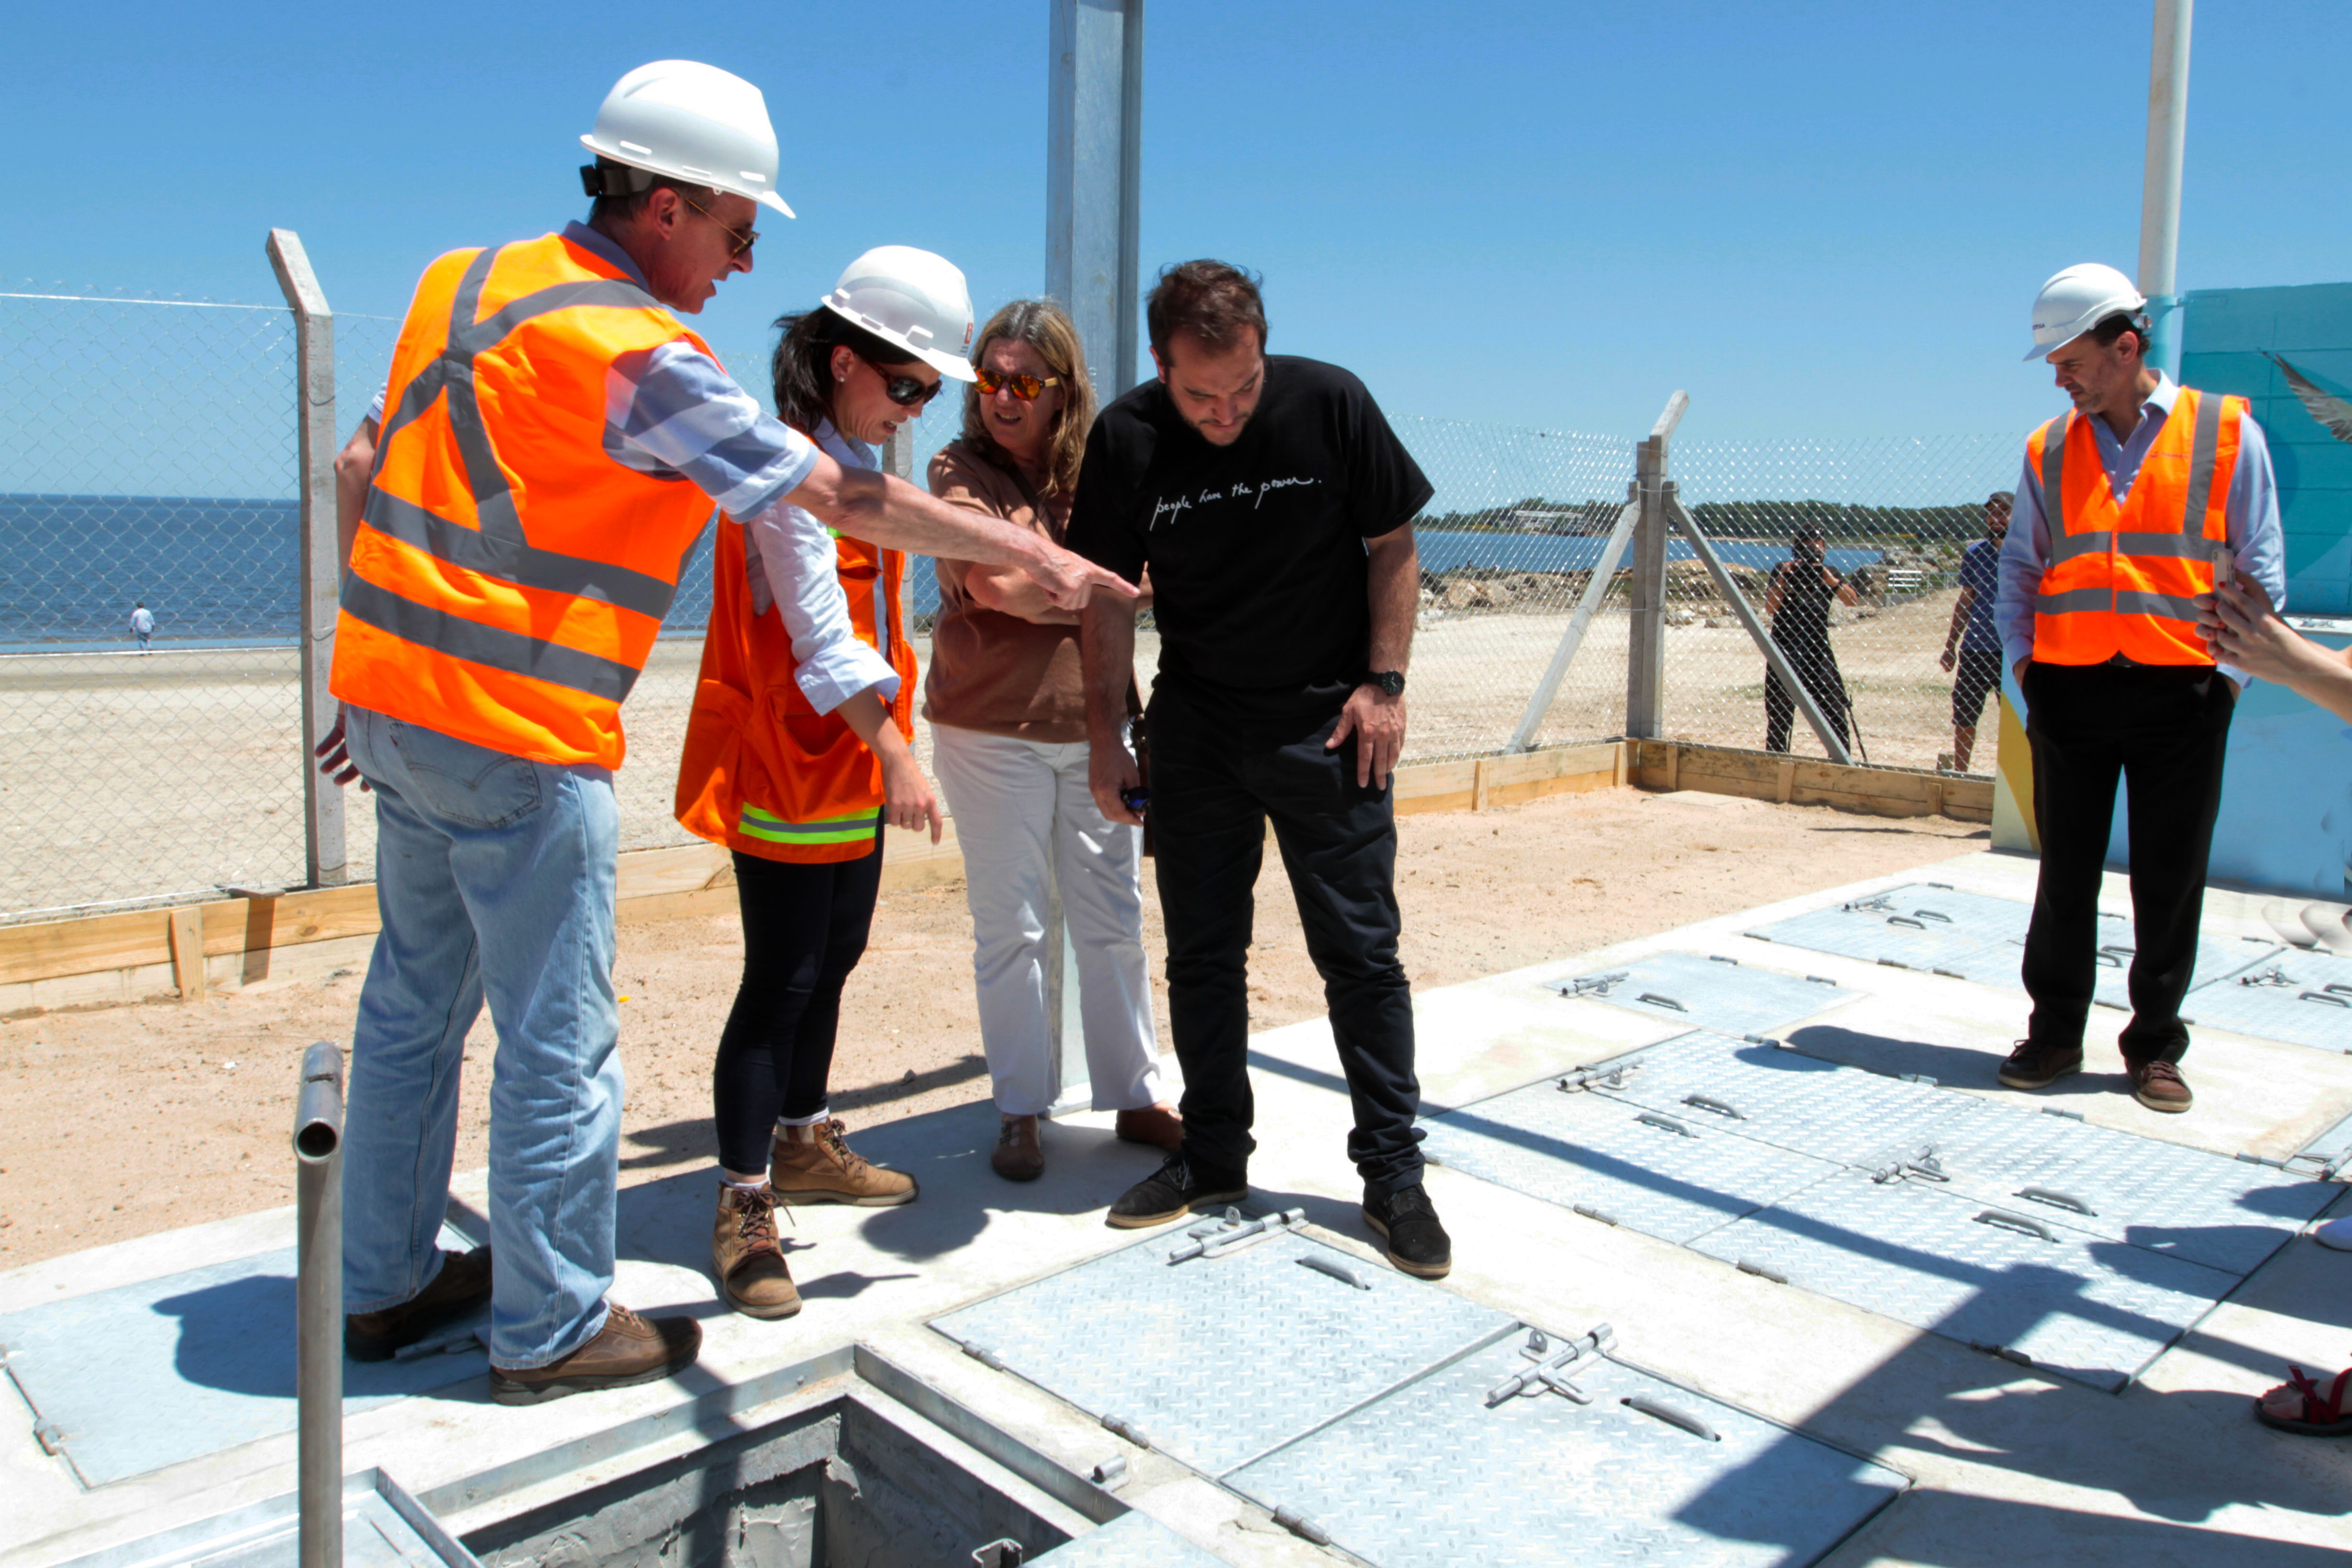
[(1158, 1125), (2159, 1087), (2033, 1065), (814, 1165), (1408, 1221), (629, 1350), (463, 1286), (752, 1276), (1018, 1156), (1174, 1191)]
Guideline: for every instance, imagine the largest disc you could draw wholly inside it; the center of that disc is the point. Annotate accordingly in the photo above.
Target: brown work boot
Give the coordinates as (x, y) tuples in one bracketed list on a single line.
[(814, 1165), (1158, 1125), (2033, 1065), (629, 1350), (1018, 1155), (2159, 1087), (752, 1276), (463, 1286)]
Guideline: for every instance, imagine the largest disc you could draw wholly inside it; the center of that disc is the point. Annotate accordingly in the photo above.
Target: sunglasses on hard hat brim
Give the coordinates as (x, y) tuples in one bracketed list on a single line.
[(906, 391), (743, 238), (1025, 388)]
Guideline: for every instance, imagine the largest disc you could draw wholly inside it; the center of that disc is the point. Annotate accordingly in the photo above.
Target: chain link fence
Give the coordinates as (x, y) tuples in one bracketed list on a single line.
[(147, 453)]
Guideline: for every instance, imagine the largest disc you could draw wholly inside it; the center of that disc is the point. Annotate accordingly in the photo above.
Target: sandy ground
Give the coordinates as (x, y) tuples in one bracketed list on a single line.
[(127, 776), (124, 1122)]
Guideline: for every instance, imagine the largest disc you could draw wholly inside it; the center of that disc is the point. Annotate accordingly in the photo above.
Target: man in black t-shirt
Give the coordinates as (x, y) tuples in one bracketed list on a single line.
[(1799, 604), (1273, 507)]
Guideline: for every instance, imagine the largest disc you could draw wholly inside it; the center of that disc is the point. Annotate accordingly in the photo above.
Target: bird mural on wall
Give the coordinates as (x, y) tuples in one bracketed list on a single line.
[(2333, 412)]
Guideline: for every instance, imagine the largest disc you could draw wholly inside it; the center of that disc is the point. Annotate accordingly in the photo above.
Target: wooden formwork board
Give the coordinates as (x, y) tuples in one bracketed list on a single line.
[(1760, 775)]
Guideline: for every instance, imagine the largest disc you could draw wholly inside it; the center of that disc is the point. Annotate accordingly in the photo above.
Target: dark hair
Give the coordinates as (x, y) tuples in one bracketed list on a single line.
[(1210, 300), (627, 189), (803, 366), (1807, 535), (2113, 326), (2006, 499)]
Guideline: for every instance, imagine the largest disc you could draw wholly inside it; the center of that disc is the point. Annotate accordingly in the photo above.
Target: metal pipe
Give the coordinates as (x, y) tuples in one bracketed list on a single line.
[(319, 1303), (1773, 656), (1604, 570), (2159, 203)]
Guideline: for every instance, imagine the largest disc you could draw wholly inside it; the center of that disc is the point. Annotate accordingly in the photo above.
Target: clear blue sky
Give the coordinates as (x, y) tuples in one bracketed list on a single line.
[(1822, 218)]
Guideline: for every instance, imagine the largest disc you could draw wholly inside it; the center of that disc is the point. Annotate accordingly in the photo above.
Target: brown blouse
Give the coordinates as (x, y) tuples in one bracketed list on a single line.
[(991, 672)]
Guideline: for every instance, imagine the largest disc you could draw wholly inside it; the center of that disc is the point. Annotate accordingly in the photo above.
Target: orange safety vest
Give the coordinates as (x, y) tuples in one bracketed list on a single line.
[(2123, 579), (764, 771), (509, 575)]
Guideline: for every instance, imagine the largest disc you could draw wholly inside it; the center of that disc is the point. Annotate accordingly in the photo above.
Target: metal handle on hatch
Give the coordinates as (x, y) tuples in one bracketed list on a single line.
[(2007, 1221), (1668, 1122), (1906, 920), (1336, 1269), (2323, 996), (1933, 915), (2057, 1199), (1672, 1416), (1658, 1001), (1720, 1107)]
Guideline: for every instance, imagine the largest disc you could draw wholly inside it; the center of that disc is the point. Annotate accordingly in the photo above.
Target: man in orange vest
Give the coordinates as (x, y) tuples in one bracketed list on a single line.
[(551, 442), (2129, 508)]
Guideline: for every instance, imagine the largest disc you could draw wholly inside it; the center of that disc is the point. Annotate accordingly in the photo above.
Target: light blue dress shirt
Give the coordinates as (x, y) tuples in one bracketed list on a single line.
[(2250, 510)]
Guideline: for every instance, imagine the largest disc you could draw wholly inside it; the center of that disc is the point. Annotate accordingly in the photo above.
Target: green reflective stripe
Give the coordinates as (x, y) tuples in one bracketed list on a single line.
[(845, 829), (493, 647), (2200, 464), (862, 814)]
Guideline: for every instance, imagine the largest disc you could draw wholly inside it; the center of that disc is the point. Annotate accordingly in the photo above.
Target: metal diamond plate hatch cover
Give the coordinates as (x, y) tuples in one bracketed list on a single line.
[(1217, 1360), (1785, 1098), (2218, 959), (1131, 1541), (1431, 1478), (2079, 1306), (1671, 1176), (2301, 999), (1706, 993), (2166, 1197), (1877, 937)]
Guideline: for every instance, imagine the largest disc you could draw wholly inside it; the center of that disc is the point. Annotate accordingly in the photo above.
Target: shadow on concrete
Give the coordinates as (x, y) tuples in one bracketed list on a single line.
[(1952, 1529)]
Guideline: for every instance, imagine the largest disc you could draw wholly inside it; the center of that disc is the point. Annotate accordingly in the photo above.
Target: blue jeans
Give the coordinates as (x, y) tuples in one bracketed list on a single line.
[(494, 879)]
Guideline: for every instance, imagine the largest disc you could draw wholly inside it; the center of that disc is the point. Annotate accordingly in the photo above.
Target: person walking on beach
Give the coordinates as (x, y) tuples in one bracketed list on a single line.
[(794, 758), (552, 441), (1273, 507), (2140, 499), (1976, 670), (1799, 601), (142, 625), (1006, 699)]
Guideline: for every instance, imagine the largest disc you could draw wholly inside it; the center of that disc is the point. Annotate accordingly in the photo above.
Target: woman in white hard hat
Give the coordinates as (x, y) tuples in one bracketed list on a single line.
[(799, 798), (1007, 706)]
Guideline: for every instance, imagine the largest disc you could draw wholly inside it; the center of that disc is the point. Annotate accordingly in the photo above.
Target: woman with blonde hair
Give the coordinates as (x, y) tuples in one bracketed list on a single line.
[(1007, 707)]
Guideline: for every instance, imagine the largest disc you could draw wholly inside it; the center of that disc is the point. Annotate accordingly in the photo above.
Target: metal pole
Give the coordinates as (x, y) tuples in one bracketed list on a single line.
[(2159, 202), (1604, 570), (1645, 663), (1094, 137), (319, 1303), (325, 862), (1747, 617)]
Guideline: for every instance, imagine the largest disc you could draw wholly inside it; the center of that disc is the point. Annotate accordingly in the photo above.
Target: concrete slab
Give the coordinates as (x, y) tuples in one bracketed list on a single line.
[(2007, 1466)]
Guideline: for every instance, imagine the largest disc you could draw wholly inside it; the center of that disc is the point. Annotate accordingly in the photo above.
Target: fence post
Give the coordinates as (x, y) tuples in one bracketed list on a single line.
[(1645, 660), (325, 861)]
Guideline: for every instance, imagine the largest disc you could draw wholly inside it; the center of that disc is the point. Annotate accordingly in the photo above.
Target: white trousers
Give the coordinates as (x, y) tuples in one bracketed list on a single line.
[(1021, 810)]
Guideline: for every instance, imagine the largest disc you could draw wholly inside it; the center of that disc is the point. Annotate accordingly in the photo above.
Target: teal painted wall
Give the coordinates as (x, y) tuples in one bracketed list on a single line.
[(2223, 336)]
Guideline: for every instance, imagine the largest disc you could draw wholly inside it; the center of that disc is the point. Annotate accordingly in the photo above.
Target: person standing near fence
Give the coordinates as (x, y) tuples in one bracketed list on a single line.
[(2129, 507), (142, 625), (1976, 670), (1798, 600), (1006, 699), (800, 795), (553, 442), (1273, 507)]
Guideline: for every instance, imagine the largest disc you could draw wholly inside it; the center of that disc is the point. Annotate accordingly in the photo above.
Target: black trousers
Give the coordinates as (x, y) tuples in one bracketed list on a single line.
[(1211, 796), (805, 929), (1817, 667), (2163, 729)]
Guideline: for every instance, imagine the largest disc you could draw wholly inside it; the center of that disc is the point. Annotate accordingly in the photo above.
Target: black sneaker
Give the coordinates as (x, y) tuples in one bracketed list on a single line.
[(2036, 1066), (1417, 1242), (1175, 1190)]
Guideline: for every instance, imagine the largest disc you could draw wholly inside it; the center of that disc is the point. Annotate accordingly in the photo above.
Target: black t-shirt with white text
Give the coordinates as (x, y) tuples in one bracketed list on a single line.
[(1257, 550)]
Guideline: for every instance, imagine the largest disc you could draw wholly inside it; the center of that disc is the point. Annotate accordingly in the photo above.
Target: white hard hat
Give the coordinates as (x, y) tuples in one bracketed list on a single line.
[(2077, 299), (913, 299), (692, 122)]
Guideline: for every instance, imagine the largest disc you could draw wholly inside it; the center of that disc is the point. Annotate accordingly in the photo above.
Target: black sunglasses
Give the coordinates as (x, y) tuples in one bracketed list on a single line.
[(904, 390)]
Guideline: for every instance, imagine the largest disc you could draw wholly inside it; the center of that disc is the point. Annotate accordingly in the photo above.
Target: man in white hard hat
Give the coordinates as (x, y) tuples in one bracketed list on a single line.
[(551, 441), (2129, 509)]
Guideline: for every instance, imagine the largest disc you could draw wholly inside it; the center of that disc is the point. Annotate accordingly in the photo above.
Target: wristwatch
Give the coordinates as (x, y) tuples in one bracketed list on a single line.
[(1389, 680)]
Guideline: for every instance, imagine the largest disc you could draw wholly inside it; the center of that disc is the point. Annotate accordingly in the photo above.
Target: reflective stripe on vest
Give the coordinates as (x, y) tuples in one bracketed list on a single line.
[(2122, 578), (848, 828)]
